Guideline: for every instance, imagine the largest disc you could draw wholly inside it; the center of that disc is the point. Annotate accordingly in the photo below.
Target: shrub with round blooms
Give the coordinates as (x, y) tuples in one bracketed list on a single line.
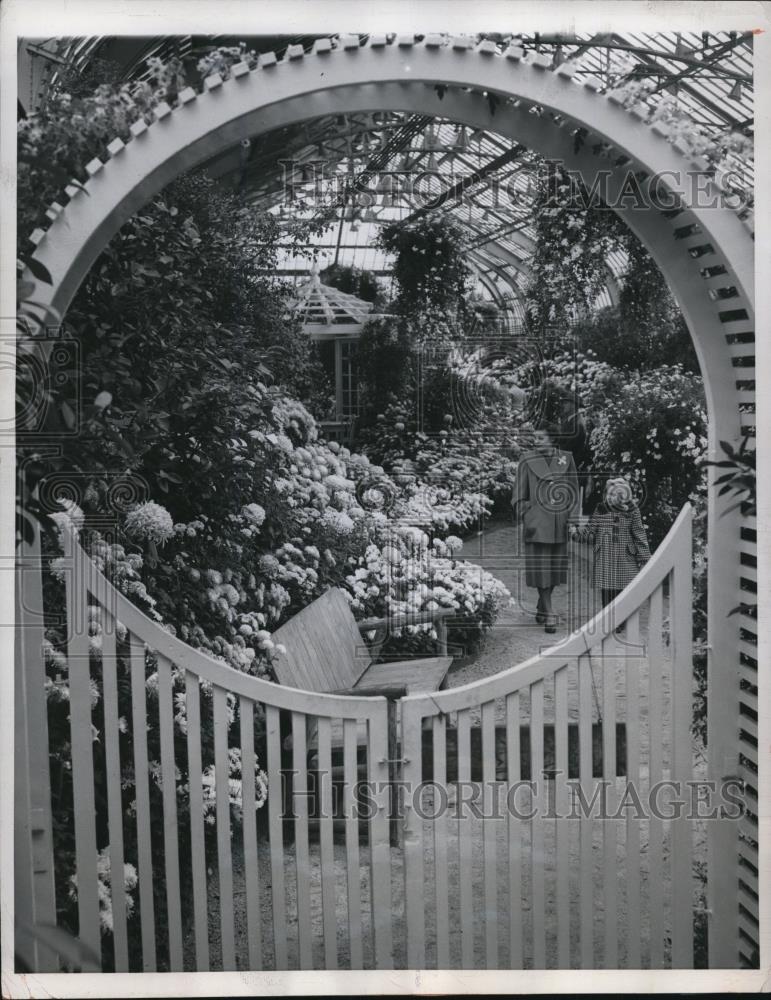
[(149, 522)]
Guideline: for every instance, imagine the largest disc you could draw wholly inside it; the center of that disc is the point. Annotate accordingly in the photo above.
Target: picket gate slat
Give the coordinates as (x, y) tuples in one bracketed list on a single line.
[(681, 612), (197, 838), (465, 884), (301, 845), (353, 878), (609, 826), (114, 790), (326, 848), (538, 847), (83, 802), (655, 772), (414, 876), (170, 825), (276, 836), (562, 830), (249, 833), (439, 735), (489, 833), (632, 869), (587, 786), (142, 784), (379, 843), (224, 853), (514, 830)]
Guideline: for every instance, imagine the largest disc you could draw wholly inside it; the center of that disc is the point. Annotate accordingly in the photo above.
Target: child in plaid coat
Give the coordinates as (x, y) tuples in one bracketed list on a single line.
[(620, 542)]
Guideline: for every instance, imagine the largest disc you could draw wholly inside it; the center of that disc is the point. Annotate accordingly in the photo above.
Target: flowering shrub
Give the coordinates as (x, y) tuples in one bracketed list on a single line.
[(430, 268), (408, 573), (150, 522), (649, 426), (572, 245), (655, 433)]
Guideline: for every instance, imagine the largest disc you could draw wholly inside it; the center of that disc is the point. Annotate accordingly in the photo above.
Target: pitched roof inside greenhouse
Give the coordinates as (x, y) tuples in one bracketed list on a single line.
[(322, 307)]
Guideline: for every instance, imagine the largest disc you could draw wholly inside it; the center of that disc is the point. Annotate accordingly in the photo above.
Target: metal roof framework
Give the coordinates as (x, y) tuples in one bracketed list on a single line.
[(338, 179)]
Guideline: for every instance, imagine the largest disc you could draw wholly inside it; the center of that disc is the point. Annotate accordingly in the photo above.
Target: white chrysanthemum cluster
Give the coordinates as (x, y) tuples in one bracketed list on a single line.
[(70, 516), (104, 888)]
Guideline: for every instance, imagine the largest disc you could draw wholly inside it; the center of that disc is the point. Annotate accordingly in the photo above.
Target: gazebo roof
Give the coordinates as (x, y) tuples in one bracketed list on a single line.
[(327, 309)]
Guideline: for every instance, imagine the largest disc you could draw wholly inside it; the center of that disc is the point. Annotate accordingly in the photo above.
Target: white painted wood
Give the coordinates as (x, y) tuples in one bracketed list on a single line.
[(78, 657), (489, 835), (513, 777), (561, 823), (656, 878), (681, 610), (170, 825), (197, 839), (439, 729), (249, 833), (465, 878), (350, 777), (114, 787), (587, 785), (224, 853), (327, 856), (276, 835), (414, 885), (142, 784), (301, 846), (537, 825), (632, 873), (380, 849), (609, 826)]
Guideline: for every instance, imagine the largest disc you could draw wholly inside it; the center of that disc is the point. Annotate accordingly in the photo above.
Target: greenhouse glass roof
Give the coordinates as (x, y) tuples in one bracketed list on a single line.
[(333, 181)]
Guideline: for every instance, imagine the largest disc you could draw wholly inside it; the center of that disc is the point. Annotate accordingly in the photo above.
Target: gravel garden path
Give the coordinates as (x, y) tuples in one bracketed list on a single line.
[(516, 636)]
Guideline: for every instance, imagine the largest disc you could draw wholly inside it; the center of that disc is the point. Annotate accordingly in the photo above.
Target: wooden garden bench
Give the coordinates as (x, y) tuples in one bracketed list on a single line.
[(326, 652)]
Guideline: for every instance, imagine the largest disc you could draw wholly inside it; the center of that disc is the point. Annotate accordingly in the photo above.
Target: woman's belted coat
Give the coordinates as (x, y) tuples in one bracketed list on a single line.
[(546, 496)]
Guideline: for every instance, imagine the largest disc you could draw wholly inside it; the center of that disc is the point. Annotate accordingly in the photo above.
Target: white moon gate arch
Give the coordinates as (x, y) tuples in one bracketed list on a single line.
[(701, 249)]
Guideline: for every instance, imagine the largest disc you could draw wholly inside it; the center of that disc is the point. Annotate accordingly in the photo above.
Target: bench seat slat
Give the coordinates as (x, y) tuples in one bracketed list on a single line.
[(416, 675)]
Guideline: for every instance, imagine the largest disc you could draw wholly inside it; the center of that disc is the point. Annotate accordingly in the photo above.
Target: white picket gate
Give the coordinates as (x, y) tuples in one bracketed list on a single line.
[(566, 874), (289, 888)]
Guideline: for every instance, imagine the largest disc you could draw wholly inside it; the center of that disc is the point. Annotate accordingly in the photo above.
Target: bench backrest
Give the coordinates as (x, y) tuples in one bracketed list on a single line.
[(324, 648)]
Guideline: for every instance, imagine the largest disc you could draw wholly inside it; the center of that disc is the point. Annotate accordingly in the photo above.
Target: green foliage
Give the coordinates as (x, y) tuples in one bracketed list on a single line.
[(354, 281), (654, 431), (184, 268), (70, 129), (569, 265), (741, 480), (638, 344), (574, 239), (741, 477), (387, 370), (429, 269)]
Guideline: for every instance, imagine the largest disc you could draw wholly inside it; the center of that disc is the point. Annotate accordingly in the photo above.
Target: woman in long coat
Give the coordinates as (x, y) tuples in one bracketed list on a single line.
[(546, 499)]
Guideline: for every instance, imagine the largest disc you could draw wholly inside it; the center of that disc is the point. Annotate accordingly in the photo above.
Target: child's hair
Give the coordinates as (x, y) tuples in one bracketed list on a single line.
[(618, 493)]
